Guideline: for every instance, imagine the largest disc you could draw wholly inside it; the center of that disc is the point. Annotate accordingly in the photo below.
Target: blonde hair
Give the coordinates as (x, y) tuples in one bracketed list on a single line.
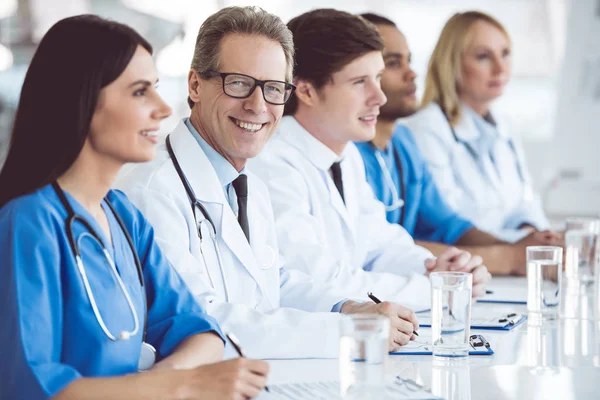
[(445, 64), (239, 20)]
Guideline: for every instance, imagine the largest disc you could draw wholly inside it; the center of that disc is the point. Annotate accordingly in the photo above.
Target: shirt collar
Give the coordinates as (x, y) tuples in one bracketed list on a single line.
[(225, 171), (483, 127), (320, 155)]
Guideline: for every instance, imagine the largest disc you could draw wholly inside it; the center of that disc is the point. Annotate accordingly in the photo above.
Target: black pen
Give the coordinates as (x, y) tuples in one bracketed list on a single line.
[(377, 301), (236, 345), (489, 292)]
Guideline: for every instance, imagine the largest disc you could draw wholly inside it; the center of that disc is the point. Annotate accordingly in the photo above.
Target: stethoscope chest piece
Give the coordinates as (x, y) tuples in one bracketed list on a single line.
[(147, 357)]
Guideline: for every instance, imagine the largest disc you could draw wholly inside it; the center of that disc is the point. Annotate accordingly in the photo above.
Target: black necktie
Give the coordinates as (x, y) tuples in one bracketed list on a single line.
[(336, 174), (240, 185)]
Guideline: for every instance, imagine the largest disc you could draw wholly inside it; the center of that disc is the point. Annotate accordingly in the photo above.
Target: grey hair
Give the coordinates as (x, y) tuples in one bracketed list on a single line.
[(239, 20)]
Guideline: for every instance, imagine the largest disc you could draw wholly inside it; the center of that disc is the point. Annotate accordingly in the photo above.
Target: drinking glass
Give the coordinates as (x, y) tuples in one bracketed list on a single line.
[(363, 355), (544, 271), (451, 313)]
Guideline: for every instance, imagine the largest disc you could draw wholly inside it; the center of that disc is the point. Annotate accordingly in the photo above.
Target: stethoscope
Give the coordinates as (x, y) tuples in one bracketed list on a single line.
[(148, 352), (397, 200), (527, 191), (196, 205)]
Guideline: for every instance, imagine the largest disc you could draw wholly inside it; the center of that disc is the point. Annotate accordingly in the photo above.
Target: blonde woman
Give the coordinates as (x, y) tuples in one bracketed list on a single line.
[(476, 162)]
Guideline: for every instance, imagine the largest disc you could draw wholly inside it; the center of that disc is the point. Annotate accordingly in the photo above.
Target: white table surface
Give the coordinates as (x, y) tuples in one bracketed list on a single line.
[(555, 360)]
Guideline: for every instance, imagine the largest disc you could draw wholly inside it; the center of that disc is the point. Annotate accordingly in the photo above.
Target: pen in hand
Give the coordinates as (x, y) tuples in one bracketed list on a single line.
[(377, 301), (236, 345)]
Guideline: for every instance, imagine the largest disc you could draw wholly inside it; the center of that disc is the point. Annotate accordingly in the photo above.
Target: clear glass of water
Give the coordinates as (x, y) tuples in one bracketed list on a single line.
[(451, 313), (582, 244), (583, 224), (544, 272), (363, 355)]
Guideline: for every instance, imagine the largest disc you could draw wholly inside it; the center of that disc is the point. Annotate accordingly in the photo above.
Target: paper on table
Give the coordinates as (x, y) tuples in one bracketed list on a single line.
[(399, 389)]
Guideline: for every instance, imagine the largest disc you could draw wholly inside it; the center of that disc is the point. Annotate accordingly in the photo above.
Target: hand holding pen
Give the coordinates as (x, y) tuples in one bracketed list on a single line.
[(403, 321), (377, 301), (236, 345)]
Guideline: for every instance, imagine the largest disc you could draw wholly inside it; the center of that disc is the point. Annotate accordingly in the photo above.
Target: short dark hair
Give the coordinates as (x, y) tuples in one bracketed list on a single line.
[(376, 19), (74, 61), (326, 40)]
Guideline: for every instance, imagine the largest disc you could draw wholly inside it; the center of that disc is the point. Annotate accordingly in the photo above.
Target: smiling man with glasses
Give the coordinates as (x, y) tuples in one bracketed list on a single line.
[(213, 218)]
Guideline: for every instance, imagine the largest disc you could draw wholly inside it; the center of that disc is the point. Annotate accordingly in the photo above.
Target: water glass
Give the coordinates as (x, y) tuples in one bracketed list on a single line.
[(363, 355), (591, 225), (544, 271), (581, 241), (579, 299), (451, 313)]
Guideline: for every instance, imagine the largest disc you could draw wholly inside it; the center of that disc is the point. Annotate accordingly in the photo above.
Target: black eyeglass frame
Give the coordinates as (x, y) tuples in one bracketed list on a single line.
[(257, 82)]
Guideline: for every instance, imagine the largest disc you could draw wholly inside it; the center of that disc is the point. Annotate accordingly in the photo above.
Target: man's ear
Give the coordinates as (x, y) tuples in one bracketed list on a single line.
[(306, 92), (194, 86)]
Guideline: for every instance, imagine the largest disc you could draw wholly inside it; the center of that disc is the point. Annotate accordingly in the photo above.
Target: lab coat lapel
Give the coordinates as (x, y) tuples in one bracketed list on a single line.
[(236, 241), (321, 157), (207, 187), (468, 133), (197, 167)]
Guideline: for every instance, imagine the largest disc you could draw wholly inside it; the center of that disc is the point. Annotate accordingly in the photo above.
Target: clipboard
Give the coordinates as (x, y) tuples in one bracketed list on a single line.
[(484, 320), (422, 346)]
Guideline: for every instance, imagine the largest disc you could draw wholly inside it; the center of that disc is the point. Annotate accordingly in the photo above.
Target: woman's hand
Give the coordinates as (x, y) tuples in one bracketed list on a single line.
[(240, 378)]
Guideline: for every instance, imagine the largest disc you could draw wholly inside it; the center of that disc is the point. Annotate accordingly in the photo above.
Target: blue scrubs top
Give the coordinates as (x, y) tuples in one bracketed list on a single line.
[(49, 334), (426, 215)]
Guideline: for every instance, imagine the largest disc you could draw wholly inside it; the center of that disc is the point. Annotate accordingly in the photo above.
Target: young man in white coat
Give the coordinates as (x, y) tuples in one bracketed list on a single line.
[(213, 218), (329, 224)]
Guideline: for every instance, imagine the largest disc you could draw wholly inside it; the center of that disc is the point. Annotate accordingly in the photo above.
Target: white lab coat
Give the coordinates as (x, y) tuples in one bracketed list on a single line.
[(255, 283), (352, 244), (488, 190)]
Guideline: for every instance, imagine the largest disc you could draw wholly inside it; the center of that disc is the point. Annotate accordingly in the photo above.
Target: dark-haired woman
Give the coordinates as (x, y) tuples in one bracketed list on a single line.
[(87, 299)]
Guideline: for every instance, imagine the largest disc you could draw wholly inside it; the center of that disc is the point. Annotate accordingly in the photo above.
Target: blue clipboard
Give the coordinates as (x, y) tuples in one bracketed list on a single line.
[(496, 321), (422, 346), (500, 301), (504, 296)]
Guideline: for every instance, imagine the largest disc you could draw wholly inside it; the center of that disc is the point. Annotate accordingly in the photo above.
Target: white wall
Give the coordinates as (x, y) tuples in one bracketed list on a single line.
[(575, 150)]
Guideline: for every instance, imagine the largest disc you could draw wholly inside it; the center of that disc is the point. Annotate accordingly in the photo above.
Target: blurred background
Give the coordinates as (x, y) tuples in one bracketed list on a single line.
[(553, 100)]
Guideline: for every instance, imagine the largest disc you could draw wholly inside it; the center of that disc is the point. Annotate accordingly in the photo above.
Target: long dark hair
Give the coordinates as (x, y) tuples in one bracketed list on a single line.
[(77, 57)]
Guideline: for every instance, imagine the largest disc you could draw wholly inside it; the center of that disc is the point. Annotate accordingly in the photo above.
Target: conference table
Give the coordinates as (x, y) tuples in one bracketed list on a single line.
[(557, 359)]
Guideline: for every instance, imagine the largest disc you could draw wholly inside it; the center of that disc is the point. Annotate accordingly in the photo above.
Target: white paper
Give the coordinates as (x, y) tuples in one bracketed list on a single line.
[(399, 389)]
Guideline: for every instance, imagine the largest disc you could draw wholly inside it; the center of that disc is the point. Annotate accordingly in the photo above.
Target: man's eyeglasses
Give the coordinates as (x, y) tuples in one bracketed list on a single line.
[(241, 86)]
